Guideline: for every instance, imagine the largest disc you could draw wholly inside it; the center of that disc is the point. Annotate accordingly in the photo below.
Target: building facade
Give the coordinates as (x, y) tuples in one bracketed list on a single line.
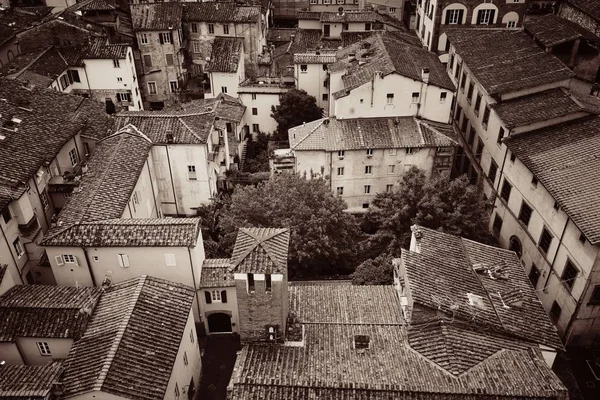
[(260, 96), (312, 76)]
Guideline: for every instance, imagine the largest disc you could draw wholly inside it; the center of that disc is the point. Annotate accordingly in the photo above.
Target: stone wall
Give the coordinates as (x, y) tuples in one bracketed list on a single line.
[(575, 15)]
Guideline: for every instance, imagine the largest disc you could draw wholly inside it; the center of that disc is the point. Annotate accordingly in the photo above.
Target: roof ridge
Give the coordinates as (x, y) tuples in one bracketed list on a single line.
[(258, 243), (190, 129), (312, 131), (120, 333)]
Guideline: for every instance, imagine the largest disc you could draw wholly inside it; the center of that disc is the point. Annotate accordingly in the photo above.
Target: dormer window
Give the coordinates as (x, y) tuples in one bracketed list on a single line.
[(362, 341)]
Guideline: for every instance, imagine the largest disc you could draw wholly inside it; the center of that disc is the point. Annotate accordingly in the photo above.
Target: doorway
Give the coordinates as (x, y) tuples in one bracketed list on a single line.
[(219, 323)]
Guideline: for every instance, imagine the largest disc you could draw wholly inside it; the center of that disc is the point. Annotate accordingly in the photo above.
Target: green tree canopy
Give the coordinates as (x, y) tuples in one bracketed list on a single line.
[(323, 236), (451, 206), (257, 154), (378, 271), (295, 107)]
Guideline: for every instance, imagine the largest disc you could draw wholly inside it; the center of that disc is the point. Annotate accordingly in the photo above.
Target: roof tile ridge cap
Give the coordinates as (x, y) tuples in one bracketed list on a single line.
[(311, 131), (575, 100), (120, 333), (431, 362), (189, 129), (435, 130)]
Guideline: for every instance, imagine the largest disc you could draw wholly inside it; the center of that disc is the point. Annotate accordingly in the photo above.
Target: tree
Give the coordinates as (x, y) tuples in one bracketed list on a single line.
[(212, 234), (295, 107), (257, 154), (451, 206), (378, 271), (323, 236)]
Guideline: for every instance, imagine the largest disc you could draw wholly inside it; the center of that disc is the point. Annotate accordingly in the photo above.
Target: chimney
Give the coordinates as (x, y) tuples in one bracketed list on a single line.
[(415, 241), (425, 75)]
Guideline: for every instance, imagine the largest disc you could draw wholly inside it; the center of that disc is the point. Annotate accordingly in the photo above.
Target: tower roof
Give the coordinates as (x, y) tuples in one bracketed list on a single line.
[(261, 251)]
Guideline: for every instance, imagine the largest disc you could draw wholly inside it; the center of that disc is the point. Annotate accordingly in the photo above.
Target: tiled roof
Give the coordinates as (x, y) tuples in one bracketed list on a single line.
[(345, 304), (99, 49), (129, 232), (442, 276), (312, 58), (156, 16), (15, 20), (42, 66), (261, 251), (566, 158), (280, 35), (226, 53), (352, 37), (220, 12), (93, 5), (332, 134), (516, 63), (590, 7), (113, 357), (29, 382), (537, 107), (387, 54), (216, 272), (552, 30), (45, 311)]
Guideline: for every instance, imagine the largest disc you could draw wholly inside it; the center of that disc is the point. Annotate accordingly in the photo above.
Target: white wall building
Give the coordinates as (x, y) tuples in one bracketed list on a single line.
[(226, 67), (311, 75), (259, 97)]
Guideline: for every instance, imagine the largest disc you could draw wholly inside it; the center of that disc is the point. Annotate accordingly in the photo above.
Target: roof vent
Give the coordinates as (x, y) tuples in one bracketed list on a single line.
[(362, 342)]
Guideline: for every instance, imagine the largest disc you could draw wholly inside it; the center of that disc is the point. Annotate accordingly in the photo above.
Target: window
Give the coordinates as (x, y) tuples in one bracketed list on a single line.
[(463, 81), (511, 24), (497, 225), (486, 116), (471, 138), (211, 28), (170, 260), (223, 89), (123, 260), (391, 169), (595, 298), (479, 150), (477, 103), (555, 312), (340, 171), (255, 128), (389, 188), (169, 59), (303, 68), (369, 152), (582, 238), (368, 169), (367, 189), (73, 157), (505, 191), (176, 391), (69, 258), (313, 1), (325, 97), (501, 133), (192, 339), (367, 26), (95, 258), (392, 152), (463, 126), (165, 38), (143, 38), (124, 97), (267, 282), (340, 190), (173, 85), (119, 79), (147, 60), (390, 98), (513, 157), (409, 150), (152, 87), (534, 181), (44, 200), (556, 206), (74, 75), (341, 154), (485, 17), (18, 247), (251, 286), (470, 92), (253, 96), (64, 82), (116, 64), (44, 348), (6, 215), (194, 28), (392, 9), (545, 240), (344, 27), (525, 213), (365, 205), (197, 48), (191, 172), (415, 97), (443, 97), (254, 111), (534, 275), (493, 171), (226, 29), (454, 17), (185, 359), (569, 275)]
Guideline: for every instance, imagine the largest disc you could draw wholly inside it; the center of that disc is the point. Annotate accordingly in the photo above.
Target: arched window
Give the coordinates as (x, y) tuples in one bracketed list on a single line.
[(454, 14), (510, 19), (484, 14), (514, 244), (10, 55)]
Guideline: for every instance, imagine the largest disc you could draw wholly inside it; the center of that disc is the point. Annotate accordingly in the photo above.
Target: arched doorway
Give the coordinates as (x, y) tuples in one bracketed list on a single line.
[(219, 323), (514, 244)]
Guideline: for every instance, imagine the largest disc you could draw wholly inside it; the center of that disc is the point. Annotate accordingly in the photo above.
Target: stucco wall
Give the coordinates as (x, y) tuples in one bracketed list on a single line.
[(263, 103), (10, 353), (313, 82), (58, 347), (231, 307)]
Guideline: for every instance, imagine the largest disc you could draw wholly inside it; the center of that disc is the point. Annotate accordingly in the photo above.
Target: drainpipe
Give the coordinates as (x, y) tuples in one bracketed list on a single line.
[(331, 170), (501, 171), (152, 187), (87, 261), (196, 288), (172, 182), (556, 253), (11, 254)]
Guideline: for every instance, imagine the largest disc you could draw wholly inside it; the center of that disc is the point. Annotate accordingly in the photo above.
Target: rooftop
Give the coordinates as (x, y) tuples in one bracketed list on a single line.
[(387, 54), (156, 16), (449, 271), (29, 382), (332, 134), (46, 311), (280, 35), (535, 108), (226, 53), (551, 30), (349, 16), (565, 159), (516, 63), (352, 37), (590, 7), (261, 251), (314, 58), (113, 357), (220, 12), (216, 272), (15, 20), (41, 67)]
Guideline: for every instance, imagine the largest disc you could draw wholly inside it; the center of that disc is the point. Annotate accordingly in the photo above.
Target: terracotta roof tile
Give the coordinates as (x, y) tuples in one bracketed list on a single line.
[(226, 53), (565, 159), (113, 357), (220, 12), (156, 16), (29, 382), (551, 30), (261, 251), (516, 63), (216, 272), (332, 134), (312, 58), (590, 7)]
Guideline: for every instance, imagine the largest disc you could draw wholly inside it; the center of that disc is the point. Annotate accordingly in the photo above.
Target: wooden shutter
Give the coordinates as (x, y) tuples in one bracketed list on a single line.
[(460, 16), (207, 297), (492, 15), (59, 260), (447, 21), (224, 296), (171, 36), (160, 38)]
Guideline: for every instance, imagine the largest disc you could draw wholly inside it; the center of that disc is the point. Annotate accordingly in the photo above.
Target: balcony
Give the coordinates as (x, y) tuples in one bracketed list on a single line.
[(69, 179)]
